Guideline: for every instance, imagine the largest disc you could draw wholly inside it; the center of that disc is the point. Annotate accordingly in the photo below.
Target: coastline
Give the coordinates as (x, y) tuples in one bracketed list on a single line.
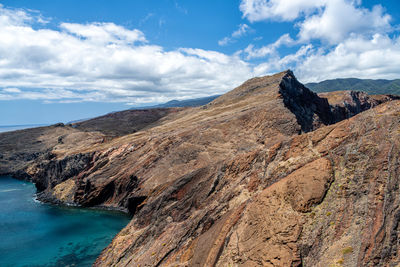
[(10, 128), (44, 198), (43, 234)]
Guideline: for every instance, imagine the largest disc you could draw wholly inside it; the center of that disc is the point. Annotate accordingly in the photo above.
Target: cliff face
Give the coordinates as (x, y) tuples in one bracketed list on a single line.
[(269, 174), (346, 104)]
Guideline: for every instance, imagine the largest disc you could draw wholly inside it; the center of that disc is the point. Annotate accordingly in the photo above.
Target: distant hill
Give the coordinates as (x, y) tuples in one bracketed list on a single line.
[(195, 102), (124, 122), (367, 85)]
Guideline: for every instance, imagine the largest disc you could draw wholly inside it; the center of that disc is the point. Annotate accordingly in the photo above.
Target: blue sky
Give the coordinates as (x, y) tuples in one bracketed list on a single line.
[(68, 59)]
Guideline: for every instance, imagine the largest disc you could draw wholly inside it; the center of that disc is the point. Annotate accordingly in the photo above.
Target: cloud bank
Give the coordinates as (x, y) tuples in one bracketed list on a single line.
[(104, 62), (110, 63), (335, 38)]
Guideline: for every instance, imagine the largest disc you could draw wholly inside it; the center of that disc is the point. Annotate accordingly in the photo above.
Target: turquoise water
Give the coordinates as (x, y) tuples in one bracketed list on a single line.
[(34, 234)]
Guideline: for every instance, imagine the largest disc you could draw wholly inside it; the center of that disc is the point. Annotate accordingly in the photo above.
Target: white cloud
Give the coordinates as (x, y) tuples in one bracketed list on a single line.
[(105, 62), (284, 10), (242, 30), (336, 38), (328, 20), (224, 41), (341, 19), (376, 57), (14, 17), (146, 18), (11, 90), (270, 49), (289, 61), (104, 33)]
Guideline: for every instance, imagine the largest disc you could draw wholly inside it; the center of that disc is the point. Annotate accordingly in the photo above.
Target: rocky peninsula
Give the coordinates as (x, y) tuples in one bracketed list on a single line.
[(268, 174)]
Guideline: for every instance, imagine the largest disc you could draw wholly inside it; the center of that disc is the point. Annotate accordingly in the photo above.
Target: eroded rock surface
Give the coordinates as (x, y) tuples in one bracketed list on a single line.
[(269, 174)]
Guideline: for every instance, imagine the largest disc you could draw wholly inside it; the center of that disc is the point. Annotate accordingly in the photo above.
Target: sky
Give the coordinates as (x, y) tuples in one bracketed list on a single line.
[(71, 59)]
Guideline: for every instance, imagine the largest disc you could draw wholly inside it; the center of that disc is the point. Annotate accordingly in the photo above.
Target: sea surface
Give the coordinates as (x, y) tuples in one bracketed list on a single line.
[(9, 128), (35, 234)]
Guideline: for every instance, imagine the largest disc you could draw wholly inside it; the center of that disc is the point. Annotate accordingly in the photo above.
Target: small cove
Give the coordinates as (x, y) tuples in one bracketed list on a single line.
[(42, 235)]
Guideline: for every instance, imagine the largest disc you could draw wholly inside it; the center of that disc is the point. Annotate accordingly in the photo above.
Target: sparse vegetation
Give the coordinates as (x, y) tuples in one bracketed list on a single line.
[(347, 250)]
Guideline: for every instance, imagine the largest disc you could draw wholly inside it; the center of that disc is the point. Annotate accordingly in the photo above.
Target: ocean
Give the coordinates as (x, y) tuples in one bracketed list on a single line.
[(9, 128), (40, 235)]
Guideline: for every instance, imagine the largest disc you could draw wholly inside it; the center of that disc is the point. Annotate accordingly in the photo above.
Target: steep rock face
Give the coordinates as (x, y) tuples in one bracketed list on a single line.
[(24, 148), (47, 174), (346, 104), (311, 110), (233, 182)]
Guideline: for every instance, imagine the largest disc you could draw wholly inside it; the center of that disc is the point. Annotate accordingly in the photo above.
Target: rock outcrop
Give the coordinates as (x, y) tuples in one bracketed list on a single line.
[(269, 174), (346, 104)]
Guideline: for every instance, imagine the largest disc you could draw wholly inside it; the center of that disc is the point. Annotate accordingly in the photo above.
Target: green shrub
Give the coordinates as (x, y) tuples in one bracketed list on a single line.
[(347, 250)]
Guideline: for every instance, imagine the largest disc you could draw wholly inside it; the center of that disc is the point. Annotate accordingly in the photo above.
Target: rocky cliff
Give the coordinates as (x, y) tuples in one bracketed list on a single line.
[(269, 174)]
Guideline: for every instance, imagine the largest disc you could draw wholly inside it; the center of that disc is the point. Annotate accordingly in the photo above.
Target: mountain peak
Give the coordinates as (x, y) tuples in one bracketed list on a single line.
[(310, 109), (266, 86)]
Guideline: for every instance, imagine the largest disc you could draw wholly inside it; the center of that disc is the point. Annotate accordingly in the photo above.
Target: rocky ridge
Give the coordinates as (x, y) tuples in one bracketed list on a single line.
[(269, 174)]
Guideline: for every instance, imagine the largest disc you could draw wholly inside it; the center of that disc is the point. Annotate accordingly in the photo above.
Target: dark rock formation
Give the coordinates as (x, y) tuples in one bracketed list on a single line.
[(310, 110), (49, 173)]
